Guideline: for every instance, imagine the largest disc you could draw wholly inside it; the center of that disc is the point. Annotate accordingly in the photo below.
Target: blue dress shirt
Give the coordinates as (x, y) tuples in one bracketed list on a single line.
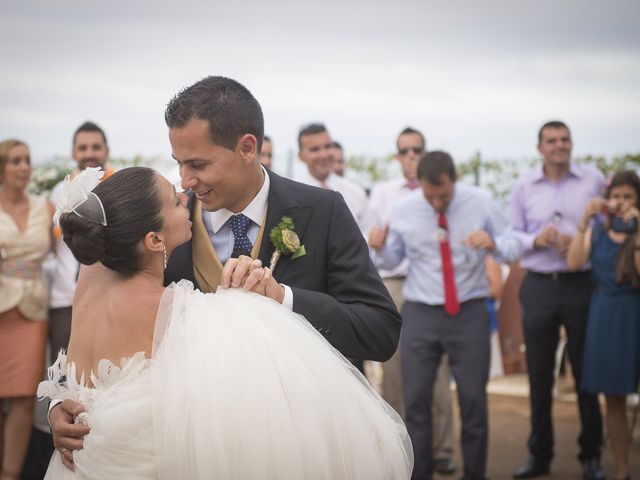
[(413, 234)]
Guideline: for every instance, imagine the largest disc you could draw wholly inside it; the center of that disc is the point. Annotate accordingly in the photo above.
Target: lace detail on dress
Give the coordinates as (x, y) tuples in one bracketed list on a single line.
[(62, 383)]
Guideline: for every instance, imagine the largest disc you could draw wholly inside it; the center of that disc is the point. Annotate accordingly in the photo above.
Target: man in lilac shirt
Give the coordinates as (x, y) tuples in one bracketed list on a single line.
[(546, 208)]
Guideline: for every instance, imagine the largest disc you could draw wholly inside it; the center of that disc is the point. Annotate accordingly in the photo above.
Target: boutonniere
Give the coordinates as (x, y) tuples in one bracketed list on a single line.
[(286, 241)]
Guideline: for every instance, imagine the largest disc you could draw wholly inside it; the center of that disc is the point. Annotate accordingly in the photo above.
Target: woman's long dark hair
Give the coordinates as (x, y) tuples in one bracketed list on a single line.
[(626, 271)]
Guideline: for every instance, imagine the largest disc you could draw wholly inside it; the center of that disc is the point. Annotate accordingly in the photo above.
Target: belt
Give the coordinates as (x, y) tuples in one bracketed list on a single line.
[(24, 269), (561, 276)]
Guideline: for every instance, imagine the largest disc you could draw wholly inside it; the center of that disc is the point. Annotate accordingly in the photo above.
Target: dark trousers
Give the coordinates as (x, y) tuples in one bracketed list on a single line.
[(38, 455), (427, 333), (59, 331), (549, 301)]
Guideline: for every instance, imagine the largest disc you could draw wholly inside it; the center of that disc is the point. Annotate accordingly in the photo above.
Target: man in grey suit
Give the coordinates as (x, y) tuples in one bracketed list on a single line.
[(216, 132)]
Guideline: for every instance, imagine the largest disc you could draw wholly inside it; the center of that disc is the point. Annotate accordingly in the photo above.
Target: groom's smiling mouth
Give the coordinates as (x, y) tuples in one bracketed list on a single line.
[(203, 193)]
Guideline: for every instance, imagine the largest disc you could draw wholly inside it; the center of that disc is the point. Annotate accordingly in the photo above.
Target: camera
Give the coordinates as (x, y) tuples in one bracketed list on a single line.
[(611, 208), (619, 225)]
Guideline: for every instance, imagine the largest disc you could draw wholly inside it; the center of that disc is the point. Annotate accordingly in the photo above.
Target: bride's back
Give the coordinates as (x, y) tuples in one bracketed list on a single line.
[(113, 318), (119, 230)]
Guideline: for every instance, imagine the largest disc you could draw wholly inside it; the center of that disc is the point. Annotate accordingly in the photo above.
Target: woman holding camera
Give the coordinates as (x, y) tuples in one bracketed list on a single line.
[(612, 348)]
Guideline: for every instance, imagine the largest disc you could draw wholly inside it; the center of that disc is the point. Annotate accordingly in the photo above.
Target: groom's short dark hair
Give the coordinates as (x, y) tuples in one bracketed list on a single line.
[(227, 105)]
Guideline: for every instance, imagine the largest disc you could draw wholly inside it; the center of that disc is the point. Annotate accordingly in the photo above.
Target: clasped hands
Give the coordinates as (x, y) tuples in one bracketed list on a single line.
[(550, 237), (249, 274), (601, 205)]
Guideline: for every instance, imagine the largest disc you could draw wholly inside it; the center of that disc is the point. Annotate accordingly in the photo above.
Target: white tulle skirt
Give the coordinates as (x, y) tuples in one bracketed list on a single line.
[(241, 388)]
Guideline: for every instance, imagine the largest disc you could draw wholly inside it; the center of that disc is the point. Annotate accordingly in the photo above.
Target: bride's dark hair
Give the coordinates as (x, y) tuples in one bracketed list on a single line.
[(132, 206)]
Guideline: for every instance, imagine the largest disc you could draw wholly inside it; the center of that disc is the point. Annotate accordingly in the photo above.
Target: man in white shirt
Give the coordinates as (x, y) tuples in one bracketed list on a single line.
[(316, 150), (266, 153), (89, 149), (411, 145), (339, 163)]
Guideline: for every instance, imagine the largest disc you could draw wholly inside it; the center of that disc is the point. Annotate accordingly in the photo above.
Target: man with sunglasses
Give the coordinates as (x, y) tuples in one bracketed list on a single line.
[(411, 145)]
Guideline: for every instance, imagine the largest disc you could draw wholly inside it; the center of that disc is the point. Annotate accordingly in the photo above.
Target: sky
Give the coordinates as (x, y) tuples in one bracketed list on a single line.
[(471, 75)]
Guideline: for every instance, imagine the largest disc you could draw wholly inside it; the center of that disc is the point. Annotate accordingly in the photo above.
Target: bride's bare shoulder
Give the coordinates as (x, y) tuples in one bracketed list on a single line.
[(137, 296)]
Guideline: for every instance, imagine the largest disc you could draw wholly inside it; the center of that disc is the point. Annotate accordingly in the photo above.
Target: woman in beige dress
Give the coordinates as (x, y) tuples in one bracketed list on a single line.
[(25, 229)]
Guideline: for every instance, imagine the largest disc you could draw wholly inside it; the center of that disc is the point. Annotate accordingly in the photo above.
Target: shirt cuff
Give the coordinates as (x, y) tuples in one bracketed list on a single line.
[(52, 404), (287, 302)]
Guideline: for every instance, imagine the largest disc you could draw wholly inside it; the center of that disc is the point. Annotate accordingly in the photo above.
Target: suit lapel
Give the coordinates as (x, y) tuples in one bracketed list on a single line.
[(280, 204)]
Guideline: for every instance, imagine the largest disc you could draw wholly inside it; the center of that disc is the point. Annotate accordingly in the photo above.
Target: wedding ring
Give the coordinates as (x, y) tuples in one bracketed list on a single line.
[(62, 450)]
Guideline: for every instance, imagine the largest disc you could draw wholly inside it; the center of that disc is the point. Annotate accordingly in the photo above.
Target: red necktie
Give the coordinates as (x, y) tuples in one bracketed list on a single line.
[(451, 305)]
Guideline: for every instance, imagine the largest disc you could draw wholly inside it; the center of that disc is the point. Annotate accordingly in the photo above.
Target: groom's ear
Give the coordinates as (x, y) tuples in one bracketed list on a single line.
[(153, 241), (247, 147)]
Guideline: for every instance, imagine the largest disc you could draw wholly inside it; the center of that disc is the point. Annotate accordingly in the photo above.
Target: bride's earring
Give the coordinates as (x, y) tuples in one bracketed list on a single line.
[(164, 251)]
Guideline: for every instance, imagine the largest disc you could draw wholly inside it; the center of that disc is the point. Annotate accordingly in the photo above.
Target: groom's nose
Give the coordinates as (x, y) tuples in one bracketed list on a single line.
[(187, 180)]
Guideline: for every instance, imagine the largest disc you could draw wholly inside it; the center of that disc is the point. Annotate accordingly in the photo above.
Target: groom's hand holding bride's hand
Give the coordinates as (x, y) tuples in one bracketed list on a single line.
[(66, 435), (245, 272)]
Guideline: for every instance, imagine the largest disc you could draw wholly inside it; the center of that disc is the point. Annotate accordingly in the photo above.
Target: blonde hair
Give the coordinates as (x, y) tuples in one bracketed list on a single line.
[(5, 148)]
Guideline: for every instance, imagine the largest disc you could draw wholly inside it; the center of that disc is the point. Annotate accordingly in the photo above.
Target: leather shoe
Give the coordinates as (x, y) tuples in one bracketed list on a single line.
[(591, 469), (532, 468), (444, 466)]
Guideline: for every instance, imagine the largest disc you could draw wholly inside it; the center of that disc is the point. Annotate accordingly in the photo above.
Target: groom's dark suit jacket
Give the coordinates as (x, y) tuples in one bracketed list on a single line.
[(335, 285)]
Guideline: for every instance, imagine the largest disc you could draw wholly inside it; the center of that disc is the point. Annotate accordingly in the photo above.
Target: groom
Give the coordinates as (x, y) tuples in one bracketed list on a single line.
[(216, 132)]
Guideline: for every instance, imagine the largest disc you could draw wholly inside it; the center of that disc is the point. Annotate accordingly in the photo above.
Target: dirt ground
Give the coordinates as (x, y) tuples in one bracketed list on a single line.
[(508, 431)]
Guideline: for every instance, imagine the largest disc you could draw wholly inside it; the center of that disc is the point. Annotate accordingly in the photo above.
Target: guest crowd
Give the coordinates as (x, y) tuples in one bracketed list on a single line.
[(435, 242)]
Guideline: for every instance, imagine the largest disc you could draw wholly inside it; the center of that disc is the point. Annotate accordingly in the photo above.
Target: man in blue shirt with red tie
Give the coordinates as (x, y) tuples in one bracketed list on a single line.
[(445, 229)]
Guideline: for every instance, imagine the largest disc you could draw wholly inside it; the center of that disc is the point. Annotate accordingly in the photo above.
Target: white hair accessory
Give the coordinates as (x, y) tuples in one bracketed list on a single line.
[(77, 197)]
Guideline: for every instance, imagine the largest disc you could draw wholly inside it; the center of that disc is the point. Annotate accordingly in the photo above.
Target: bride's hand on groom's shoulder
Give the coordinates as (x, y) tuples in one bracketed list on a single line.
[(249, 274), (67, 436)]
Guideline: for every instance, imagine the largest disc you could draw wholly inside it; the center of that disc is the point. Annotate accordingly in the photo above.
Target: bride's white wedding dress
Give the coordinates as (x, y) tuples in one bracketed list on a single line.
[(237, 388)]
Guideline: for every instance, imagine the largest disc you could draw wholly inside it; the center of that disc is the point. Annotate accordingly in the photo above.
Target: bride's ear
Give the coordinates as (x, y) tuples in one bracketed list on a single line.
[(154, 242)]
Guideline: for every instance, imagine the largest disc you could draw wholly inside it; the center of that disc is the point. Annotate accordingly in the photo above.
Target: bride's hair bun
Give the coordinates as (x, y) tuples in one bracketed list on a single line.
[(132, 206), (85, 239)]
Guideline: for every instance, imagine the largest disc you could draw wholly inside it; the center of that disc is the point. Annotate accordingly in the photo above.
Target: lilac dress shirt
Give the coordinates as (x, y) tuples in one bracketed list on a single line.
[(537, 202)]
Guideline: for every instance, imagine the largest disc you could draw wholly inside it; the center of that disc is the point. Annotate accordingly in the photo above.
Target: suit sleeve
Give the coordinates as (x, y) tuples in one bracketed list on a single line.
[(355, 313)]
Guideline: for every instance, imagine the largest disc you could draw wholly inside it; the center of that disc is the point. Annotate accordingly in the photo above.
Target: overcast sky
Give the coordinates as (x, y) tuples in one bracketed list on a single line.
[(476, 75)]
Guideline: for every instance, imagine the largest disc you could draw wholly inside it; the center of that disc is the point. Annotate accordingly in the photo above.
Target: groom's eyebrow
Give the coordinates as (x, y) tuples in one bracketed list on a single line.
[(189, 160)]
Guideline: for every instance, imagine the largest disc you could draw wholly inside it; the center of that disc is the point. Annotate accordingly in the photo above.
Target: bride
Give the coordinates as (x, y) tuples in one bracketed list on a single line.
[(177, 384)]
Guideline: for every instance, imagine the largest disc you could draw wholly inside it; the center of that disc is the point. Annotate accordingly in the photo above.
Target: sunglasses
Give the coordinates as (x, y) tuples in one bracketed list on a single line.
[(416, 150)]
